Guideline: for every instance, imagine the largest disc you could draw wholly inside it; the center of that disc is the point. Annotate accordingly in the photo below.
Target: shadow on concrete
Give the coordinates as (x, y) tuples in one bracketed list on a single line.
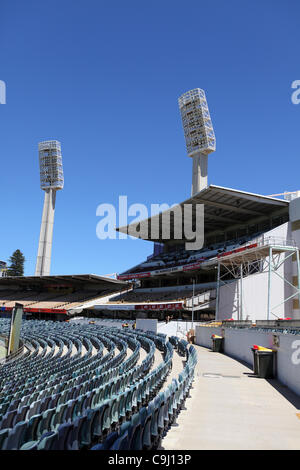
[(244, 363), (288, 394)]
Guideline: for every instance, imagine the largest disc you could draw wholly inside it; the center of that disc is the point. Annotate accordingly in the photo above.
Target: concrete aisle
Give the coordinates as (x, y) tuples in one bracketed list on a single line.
[(234, 410)]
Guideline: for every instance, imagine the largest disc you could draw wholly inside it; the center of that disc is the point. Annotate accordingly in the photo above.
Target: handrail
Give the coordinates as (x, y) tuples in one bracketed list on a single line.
[(263, 240)]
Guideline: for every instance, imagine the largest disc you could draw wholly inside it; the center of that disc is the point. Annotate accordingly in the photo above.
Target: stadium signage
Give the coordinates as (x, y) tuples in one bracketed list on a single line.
[(238, 250), (296, 94), (189, 267), (123, 277), (113, 307), (166, 270), (36, 310), (133, 276), (174, 306), (185, 267)]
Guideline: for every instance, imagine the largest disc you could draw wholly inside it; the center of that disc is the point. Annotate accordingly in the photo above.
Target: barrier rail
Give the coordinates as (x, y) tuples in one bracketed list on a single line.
[(281, 241)]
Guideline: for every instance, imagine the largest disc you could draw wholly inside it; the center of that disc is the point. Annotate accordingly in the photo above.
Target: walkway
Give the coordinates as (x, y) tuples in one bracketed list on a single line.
[(231, 409)]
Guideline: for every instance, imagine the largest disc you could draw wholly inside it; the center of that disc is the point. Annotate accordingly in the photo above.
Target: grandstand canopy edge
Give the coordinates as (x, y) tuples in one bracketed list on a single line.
[(224, 208), (93, 280)]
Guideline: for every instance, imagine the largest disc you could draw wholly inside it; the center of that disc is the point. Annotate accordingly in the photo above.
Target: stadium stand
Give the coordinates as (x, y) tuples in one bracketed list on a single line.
[(196, 278), (180, 257), (50, 297), (83, 386), (158, 295)]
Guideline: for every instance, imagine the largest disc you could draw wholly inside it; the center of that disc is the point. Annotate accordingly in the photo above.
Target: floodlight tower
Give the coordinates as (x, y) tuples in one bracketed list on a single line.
[(199, 134), (52, 179)]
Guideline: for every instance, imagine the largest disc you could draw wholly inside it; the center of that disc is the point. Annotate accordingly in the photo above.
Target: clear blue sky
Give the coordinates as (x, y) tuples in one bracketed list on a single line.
[(103, 77)]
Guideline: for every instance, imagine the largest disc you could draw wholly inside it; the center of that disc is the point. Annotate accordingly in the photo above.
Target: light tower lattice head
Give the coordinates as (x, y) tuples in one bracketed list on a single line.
[(52, 179), (199, 134)]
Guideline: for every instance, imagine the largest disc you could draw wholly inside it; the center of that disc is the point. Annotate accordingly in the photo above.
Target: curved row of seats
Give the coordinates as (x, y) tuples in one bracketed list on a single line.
[(75, 385), (147, 427), (29, 398), (11, 418)]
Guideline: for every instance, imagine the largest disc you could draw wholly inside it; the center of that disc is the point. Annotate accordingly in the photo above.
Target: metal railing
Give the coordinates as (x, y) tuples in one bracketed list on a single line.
[(237, 323), (286, 324), (277, 241)]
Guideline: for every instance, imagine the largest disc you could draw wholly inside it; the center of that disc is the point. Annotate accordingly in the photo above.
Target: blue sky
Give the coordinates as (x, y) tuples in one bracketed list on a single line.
[(103, 77)]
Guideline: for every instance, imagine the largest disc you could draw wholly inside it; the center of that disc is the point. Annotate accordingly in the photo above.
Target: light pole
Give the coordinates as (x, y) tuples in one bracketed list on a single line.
[(199, 134), (52, 180)]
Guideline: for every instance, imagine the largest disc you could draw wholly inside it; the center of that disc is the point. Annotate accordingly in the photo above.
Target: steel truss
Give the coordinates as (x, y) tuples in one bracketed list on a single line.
[(267, 256)]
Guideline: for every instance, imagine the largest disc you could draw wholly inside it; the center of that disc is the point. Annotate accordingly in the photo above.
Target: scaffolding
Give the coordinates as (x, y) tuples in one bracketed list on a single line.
[(264, 255)]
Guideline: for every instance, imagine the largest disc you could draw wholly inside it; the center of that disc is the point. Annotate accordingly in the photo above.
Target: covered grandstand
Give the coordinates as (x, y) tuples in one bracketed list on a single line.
[(229, 214), (243, 234), (235, 222), (54, 297)]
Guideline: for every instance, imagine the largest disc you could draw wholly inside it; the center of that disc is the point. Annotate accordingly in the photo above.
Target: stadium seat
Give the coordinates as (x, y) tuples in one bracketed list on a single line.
[(74, 438), (121, 443), (108, 442), (64, 432), (32, 424), (98, 421), (16, 436), (135, 433), (44, 424), (3, 437), (8, 419), (49, 441)]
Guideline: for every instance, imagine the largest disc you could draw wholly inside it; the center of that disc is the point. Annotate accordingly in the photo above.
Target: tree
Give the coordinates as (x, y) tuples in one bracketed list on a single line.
[(16, 261)]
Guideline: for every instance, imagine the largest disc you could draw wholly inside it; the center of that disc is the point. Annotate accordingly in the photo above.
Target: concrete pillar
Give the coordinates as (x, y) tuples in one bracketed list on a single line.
[(294, 211), (45, 243), (199, 181)]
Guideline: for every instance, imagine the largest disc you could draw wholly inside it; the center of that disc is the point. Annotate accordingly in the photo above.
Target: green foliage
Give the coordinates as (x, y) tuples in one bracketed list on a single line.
[(16, 267)]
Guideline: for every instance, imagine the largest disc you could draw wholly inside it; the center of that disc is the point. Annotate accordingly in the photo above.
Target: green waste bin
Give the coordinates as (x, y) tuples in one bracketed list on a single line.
[(265, 364), (217, 344)]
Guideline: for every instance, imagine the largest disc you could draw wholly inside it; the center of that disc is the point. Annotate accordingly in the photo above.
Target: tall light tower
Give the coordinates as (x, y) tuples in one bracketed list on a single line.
[(52, 179), (199, 134)]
